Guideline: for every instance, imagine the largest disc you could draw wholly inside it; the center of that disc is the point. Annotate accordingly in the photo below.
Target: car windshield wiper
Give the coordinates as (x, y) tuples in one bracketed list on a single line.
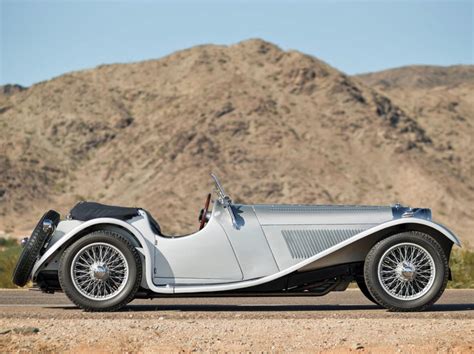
[(225, 200)]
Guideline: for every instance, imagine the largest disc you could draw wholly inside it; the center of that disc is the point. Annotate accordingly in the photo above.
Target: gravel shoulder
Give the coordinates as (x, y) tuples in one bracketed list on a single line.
[(338, 322)]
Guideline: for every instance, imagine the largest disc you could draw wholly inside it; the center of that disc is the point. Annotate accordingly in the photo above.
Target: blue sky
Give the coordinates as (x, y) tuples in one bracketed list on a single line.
[(44, 39)]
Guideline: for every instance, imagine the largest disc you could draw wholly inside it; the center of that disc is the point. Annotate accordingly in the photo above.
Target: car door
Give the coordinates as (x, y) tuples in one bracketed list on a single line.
[(248, 242), (205, 257)]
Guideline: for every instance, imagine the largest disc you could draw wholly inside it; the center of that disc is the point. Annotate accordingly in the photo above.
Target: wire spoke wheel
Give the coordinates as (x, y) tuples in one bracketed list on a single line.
[(406, 271), (99, 271)]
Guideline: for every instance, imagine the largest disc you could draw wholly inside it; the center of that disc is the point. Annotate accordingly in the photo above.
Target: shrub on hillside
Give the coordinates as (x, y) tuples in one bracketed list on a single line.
[(9, 252), (462, 269)]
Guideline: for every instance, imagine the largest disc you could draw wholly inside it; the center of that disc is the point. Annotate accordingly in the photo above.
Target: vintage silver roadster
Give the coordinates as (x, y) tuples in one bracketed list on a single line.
[(103, 256)]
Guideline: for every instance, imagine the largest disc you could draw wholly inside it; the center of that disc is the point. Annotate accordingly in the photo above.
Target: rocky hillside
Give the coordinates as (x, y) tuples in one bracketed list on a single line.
[(421, 77), (442, 100), (276, 126)]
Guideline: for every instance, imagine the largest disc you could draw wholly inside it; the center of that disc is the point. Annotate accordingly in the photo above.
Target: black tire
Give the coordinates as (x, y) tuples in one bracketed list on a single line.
[(32, 250), (392, 303), (364, 290), (131, 286)]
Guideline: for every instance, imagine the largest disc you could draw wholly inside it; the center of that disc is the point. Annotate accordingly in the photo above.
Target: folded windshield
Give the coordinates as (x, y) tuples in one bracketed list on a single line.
[(225, 200), (220, 191)]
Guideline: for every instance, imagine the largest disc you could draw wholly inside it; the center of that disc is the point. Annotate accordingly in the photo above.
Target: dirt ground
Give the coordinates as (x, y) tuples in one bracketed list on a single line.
[(338, 322)]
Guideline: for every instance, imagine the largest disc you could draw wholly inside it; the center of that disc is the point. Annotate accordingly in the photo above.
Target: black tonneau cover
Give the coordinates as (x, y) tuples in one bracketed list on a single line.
[(90, 210)]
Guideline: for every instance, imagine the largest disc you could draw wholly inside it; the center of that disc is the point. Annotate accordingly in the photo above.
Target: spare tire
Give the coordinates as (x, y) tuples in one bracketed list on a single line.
[(32, 249)]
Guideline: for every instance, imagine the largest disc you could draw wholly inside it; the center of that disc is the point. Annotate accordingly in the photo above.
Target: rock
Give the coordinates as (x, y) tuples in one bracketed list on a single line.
[(227, 108), (10, 89), (5, 331), (124, 122), (357, 346), (25, 330)]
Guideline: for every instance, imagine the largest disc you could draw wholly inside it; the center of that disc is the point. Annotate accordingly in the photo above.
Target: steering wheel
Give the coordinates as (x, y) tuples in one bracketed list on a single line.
[(202, 215)]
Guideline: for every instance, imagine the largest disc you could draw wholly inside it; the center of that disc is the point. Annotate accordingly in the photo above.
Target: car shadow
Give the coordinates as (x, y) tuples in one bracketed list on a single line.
[(250, 308), (275, 308), (283, 308)]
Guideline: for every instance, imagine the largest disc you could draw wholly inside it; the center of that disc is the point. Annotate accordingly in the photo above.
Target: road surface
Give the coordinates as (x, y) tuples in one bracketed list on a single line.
[(337, 322)]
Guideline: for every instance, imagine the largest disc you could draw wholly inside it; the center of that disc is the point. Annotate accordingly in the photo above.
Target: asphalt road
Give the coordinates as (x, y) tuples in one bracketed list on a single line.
[(341, 322), (350, 303)]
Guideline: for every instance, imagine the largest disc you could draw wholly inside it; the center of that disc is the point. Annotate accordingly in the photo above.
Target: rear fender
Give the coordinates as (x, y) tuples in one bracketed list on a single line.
[(61, 239)]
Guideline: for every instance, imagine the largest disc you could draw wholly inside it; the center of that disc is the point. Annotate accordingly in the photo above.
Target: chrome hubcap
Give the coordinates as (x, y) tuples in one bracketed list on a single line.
[(406, 271), (99, 271)]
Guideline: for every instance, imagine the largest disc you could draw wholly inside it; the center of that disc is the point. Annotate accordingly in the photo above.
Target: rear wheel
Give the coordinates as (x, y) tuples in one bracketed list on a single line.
[(406, 272), (101, 271)]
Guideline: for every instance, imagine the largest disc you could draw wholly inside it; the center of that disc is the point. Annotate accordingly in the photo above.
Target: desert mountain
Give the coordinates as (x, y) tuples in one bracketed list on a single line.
[(420, 77), (276, 126)]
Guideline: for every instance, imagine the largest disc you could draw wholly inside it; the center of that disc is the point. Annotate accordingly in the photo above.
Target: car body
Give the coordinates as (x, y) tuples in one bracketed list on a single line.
[(102, 257)]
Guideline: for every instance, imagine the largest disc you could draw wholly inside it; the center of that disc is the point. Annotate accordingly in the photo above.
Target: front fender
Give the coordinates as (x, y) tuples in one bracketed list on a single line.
[(356, 248), (422, 225)]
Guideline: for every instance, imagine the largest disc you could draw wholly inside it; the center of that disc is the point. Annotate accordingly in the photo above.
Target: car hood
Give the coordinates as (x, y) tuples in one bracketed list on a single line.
[(282, 214)]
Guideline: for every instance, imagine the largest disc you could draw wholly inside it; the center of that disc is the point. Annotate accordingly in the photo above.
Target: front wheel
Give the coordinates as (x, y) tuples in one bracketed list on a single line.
[(364, 290), (101, 271), (406, 272)]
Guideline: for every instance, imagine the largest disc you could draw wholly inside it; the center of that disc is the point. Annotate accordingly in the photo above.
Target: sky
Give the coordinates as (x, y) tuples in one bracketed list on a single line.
[(43, 39)]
